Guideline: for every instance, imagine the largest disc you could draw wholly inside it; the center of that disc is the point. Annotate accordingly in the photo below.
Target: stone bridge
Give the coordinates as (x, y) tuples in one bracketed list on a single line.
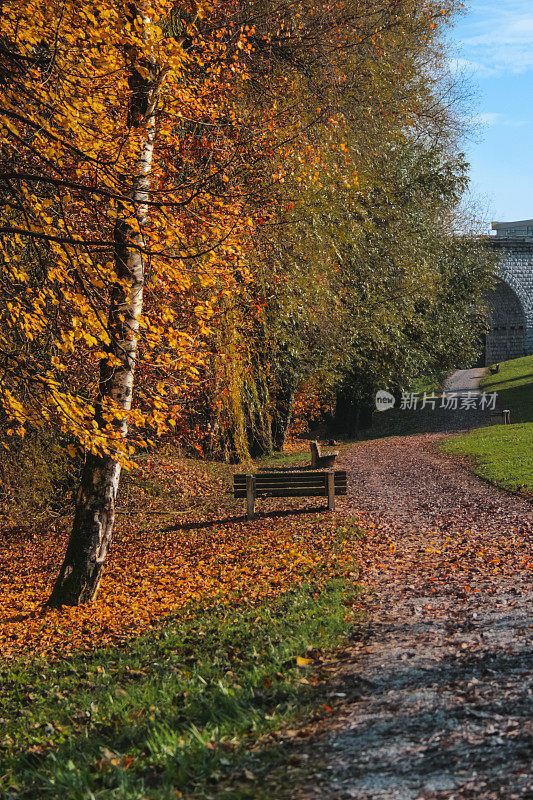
[(510, 322)]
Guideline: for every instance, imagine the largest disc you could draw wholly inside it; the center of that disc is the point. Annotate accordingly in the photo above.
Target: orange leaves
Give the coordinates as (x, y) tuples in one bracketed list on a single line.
[(110, 759), (77, 173), (312, 402), (175, 544), (438, 558)]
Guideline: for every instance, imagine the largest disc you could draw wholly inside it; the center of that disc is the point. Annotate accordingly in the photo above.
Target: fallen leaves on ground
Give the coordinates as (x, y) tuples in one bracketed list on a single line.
[(435, 699), (431, 525), (179, 538)]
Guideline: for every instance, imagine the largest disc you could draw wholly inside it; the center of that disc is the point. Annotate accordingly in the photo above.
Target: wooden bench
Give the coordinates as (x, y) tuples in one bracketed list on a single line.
[(289, 484), (319, 459)]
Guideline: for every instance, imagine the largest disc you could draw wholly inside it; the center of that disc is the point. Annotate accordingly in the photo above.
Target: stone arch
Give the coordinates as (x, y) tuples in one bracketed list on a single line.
[(506, 333)]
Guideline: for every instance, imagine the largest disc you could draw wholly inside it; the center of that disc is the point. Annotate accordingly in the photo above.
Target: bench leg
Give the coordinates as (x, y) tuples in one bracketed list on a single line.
[(250, 496), (330, 483)]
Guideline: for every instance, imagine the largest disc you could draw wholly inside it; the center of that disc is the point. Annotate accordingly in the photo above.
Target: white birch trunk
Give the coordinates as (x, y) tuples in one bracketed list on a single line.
[(81, 571)]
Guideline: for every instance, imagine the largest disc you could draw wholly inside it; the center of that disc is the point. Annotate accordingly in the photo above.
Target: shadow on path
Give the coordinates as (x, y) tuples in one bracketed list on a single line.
[(447, 712)]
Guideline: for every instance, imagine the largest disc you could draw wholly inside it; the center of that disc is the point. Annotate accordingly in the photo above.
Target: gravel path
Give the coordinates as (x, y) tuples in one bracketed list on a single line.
[(465, 380), (437, 703)]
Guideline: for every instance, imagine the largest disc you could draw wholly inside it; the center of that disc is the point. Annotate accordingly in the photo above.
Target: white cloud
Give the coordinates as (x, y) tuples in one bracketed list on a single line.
[(497, 38), (470, 68), (487, 118)]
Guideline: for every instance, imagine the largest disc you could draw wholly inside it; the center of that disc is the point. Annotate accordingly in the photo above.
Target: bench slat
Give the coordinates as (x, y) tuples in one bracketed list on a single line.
[(269, 486), (296, 479), (299, 492), (288, 477), (296, 482), (291, 473), (339, 487)]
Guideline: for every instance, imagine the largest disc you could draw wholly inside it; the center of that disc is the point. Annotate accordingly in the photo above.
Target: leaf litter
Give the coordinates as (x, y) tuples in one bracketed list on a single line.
[(436, 704), (180, 539)]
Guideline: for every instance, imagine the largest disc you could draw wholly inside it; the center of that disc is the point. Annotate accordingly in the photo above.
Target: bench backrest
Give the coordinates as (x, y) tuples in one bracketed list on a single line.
[(290, 484), (315, 448), (315, 453)]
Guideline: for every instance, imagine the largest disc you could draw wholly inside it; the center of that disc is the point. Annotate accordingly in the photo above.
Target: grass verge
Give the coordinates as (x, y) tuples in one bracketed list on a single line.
[(514, 386), (173, 713), (501, 454)]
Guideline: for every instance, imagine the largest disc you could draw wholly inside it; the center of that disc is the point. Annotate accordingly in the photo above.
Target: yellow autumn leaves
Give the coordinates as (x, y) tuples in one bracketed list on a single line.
[(160, 564)]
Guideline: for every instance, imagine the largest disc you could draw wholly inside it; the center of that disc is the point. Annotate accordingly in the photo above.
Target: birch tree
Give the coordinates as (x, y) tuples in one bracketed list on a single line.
[(109, 193), (94, 520)]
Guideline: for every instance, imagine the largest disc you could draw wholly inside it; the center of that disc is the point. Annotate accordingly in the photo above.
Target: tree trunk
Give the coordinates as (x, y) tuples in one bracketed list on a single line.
[(81, 571), (282, 415), (256, 401)]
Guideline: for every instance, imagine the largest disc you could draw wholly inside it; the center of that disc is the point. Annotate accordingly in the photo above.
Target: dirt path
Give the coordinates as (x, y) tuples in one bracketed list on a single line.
[(438, 702)]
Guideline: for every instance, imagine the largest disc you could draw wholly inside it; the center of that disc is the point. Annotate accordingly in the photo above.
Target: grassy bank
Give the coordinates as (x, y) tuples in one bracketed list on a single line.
[(503, 454), (514, 386), (173, 713)]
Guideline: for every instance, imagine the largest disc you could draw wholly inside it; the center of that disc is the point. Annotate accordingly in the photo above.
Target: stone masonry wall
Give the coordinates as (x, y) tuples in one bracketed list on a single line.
[(516, 271)]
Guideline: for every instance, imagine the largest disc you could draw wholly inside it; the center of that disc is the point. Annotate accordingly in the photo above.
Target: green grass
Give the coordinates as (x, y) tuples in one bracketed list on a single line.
[(503, 454), (175, 711), (514, 386), (285, 459)]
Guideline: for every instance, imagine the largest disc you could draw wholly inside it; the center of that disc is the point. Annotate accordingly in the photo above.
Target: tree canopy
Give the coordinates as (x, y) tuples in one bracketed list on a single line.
[(207, 205)]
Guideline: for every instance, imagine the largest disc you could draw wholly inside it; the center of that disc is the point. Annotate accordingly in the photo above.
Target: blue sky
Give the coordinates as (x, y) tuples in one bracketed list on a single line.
[(493, 45)]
